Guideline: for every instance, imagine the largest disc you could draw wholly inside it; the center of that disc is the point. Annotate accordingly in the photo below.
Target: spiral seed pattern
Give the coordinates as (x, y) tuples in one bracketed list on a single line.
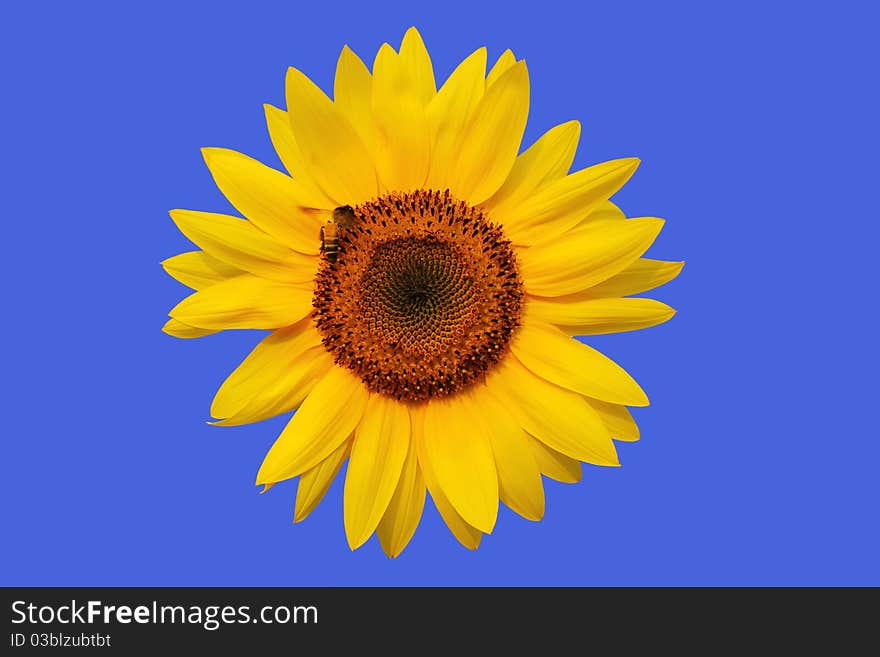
[(423, 297)]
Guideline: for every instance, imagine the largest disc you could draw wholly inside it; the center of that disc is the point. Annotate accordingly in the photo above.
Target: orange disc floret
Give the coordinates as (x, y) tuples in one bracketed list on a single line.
[(423, 297)]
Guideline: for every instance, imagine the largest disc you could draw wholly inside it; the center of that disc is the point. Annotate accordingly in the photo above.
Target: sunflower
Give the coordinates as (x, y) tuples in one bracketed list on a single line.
[(428, 337)]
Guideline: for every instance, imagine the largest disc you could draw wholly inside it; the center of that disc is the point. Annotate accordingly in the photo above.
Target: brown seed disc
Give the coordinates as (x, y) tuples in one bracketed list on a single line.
[(423, 297)]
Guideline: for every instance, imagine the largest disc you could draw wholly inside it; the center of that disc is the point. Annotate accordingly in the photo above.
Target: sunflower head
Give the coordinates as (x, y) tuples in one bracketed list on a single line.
[(422, 280)]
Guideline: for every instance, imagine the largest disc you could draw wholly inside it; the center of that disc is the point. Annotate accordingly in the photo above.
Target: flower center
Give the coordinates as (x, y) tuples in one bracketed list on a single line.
[(420, 295)]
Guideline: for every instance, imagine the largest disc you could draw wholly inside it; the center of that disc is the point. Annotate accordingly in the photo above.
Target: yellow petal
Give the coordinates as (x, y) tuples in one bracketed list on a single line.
[(587, 256), (381, 443), (284, 393), (457, 445), (181, 330), (274, 367), (265, 196), (546, 160), (405, 508), (315, 482), (334, 153), (245, 301), (447, 115), (353, 93), (555, 465), (503, 64), (492, 137), (465, 534), (326, 418), (198, 270), (554, 356), (557, 417), (558, 206), (416, 62), (402, 148), (519, 479), (243, 245), (305, 189), (618, 420), (642, 275), (596, 316)]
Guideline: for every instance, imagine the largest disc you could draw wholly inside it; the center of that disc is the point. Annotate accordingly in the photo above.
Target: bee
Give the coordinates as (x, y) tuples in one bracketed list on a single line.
[(343, 217)]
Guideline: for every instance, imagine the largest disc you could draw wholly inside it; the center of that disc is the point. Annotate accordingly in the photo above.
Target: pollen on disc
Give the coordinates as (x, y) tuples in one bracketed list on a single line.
[(423, 297)]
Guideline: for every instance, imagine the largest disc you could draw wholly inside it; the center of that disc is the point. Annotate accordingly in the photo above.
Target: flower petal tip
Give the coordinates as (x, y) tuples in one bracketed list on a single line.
[(630, 164), (358, 541), (640, 402), (573, 126)]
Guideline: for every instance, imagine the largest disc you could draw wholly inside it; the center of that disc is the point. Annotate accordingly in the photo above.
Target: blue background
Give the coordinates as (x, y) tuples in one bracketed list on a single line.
[(756, 125)]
